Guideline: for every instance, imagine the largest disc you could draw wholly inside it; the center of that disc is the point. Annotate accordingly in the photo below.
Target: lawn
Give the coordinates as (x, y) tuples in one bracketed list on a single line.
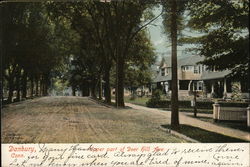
[(204, 136), (142, 102), (139, 100)]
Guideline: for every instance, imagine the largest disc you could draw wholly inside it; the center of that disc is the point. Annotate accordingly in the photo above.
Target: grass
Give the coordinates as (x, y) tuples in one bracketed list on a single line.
[(142, 102), (204, 136), (138, 101)]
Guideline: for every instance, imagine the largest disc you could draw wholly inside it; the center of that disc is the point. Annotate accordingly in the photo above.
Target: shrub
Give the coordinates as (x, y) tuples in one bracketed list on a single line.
[(155, 99), (234, 104), (199, 104), (133, 97)]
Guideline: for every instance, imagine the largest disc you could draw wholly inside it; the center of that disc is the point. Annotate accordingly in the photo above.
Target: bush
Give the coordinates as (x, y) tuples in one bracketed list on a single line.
[(234, 104), (133, 97), (155, 100), (187, 104)]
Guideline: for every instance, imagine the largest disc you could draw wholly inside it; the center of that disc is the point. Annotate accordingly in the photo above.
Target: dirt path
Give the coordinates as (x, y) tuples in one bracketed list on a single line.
[(80, 120)]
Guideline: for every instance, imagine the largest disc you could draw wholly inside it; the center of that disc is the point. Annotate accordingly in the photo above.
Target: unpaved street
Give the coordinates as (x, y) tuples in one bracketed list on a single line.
[(80, 120)]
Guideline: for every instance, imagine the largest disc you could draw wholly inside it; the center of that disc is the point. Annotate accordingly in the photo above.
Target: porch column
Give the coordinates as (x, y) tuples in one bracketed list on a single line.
[(178, 84), (248, 116), (204, 90), (225, 88), (189, 85), (212, 90)]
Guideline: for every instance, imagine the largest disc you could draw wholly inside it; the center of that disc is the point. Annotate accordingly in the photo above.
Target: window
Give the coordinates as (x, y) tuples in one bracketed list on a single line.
[(199, 85), (186, 68), (195, 70), (168, 70), (163, 72)]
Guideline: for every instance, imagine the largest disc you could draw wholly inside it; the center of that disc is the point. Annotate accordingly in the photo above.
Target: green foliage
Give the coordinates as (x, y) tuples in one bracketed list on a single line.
[(142, 56), (225, 39), (155, 100), (33, 45), (236, 92), (187, 104), (167, 22)]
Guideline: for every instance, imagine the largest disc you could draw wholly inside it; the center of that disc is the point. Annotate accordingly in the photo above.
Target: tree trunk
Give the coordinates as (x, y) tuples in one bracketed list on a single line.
[(120, 82), (174, 94), (24, 85), (37, 87), (107, 90), (83, 91), (41, 87), (93, 89), (100, 87), (73, 91), (18, 96), (11, 88), (31, 86), (45, 85)]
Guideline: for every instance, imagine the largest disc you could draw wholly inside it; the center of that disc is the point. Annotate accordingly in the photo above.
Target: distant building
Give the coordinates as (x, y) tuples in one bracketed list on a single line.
[(194, 76)]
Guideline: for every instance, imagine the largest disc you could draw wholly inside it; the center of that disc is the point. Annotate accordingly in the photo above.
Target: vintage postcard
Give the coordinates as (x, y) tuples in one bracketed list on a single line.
[(125, 83)]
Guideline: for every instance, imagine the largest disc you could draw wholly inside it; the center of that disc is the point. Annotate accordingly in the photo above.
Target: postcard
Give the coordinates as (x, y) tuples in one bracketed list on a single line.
[(125, 83)]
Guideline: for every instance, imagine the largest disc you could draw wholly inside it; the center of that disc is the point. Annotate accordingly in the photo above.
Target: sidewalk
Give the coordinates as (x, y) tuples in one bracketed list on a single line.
[(184, 119)]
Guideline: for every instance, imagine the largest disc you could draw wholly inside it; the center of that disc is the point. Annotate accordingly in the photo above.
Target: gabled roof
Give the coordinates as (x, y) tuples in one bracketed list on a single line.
[(181, 61), (190, 60), (160, 78), (208, 75)]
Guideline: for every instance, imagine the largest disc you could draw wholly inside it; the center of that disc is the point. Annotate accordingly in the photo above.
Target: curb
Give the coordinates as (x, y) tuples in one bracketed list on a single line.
[(177, 134)]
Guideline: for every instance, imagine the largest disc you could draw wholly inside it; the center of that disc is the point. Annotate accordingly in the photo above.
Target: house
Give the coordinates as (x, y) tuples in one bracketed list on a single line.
[(194, 76)]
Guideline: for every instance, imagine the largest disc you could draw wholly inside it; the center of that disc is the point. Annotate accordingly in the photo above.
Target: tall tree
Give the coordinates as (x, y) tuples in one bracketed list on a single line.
[(31, 47), (174, 10)]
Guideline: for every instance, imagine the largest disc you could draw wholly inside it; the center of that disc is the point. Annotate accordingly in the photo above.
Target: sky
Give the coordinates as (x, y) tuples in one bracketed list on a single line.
[(160, 40)]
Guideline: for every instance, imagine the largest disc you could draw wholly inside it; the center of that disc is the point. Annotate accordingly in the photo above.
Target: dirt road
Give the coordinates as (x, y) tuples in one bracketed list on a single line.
[(80, 120)]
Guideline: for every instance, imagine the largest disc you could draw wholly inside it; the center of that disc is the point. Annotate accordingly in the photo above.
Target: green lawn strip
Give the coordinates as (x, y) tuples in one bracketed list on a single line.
[(142, 102), (204, 136), (138, 101)]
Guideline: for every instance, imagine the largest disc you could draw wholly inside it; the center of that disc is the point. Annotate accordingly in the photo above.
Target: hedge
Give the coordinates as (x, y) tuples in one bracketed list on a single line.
[(187, 104)]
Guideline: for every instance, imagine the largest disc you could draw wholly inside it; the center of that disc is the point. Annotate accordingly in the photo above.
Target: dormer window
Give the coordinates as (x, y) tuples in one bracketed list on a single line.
[(168, 70), (196, 70), (163, 72), (186, 68)]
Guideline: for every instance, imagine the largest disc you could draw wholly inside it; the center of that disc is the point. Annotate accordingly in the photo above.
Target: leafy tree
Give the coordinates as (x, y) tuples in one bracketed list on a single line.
[(137, 71), (112, 27), (31, 48), (225, 29)]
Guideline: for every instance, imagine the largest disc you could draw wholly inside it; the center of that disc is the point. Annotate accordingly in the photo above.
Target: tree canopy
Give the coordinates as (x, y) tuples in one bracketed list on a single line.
[(225, 34)]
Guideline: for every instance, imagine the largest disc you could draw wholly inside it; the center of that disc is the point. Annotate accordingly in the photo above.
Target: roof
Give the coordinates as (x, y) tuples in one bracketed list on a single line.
[(187, 60), (160, 78), (206, 75), (190, 60)]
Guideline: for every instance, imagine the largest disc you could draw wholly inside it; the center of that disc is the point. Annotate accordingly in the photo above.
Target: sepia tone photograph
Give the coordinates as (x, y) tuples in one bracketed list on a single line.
[(134, 71)]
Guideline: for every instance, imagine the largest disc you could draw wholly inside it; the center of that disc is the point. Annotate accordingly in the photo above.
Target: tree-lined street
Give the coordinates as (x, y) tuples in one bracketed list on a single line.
[(104, 49)]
